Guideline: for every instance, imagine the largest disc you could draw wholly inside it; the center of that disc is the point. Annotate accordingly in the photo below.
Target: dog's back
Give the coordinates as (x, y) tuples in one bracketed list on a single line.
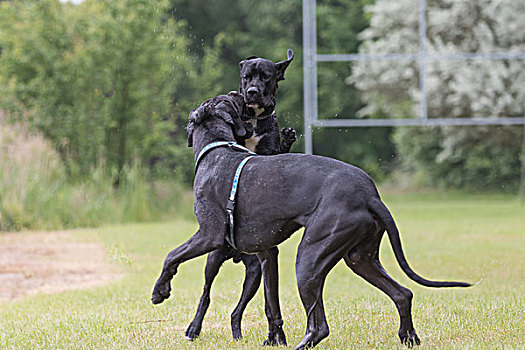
[(296, 178)]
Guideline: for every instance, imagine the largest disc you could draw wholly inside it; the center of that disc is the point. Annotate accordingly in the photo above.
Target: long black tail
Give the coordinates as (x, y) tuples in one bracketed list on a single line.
[(384, 215)]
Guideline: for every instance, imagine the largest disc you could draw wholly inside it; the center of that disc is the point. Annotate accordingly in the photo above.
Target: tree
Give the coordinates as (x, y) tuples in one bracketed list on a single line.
[(102, 80), (474, 157)]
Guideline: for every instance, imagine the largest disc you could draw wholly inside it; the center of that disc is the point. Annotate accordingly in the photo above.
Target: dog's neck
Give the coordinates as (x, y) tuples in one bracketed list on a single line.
[(258, 111), (202, 137)]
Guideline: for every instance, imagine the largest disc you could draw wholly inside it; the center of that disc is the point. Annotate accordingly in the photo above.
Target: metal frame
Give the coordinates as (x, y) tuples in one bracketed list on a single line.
[(311, 58)]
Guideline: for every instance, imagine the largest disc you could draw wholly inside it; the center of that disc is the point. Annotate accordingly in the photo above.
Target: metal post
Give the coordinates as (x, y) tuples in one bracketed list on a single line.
[(522, 174), (309, 71), (423, 58)]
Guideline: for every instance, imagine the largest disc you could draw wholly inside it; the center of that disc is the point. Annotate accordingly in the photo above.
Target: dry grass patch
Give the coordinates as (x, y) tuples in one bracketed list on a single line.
[(50, 262)]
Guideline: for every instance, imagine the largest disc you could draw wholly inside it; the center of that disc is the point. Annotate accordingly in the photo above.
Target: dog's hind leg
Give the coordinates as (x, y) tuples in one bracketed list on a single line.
[(312, 266), (252, 281), (321, 247), (214, 262), (364, 261), (272, 308), (199, 244)]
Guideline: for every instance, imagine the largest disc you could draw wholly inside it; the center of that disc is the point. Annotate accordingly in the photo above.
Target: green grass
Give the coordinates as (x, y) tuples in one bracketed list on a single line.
[(460, 237)]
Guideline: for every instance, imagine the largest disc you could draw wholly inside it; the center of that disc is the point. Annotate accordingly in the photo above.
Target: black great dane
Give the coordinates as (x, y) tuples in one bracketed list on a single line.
[(337, 204), (260, 133)]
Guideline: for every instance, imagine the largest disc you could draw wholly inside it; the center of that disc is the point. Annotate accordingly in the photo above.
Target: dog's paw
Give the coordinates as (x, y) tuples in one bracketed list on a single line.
[(276, 337), (157, 299), (409, 338), (161, 292), (236, 326), (289, 135), (192, 332)]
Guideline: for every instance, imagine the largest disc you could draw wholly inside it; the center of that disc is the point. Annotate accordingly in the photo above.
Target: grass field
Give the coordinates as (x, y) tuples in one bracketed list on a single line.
[(445, 236)]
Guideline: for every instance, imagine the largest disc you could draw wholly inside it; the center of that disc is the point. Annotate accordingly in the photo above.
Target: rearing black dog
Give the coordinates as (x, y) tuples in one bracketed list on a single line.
[(337, 204), (260, 133)]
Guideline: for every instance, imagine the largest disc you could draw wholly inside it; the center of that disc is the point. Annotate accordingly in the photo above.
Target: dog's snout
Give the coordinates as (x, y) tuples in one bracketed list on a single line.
[(252, 91)]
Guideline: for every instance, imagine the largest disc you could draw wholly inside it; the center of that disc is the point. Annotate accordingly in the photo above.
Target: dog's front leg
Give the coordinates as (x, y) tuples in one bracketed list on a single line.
[(288, 137), (252, 281), (199, 244), (214, 262), (269, 268)]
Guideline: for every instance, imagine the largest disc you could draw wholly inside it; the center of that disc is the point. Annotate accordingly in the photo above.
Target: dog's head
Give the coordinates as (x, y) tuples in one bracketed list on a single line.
[(259, 78), (221, 117)]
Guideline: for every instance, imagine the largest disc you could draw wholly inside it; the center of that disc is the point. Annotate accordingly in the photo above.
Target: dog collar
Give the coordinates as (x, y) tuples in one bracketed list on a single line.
[(216, 144), (263, 116)]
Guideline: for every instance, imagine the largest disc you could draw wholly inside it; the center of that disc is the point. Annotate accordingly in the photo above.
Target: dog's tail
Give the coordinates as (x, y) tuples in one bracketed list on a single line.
[(381, 211)]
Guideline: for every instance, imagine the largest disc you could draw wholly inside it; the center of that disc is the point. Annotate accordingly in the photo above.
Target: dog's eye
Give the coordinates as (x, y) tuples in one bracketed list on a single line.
[(265, 76), (247, 76)]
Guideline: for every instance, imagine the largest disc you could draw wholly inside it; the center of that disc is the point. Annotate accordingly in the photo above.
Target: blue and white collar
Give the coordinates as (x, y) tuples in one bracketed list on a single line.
[(216, 144)]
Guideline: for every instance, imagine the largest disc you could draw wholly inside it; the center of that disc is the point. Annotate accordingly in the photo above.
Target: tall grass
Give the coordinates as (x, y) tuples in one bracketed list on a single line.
[(35, 192)]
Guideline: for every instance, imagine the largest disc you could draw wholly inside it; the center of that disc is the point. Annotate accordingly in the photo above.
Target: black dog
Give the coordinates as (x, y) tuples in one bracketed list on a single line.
[(338, 204), (258, 87), (262, 137)]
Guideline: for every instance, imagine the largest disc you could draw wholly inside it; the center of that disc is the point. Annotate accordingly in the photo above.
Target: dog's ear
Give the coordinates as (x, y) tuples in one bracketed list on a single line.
[(194, 118), (281, 66), (189, 131), (247, 59), (197, 115)]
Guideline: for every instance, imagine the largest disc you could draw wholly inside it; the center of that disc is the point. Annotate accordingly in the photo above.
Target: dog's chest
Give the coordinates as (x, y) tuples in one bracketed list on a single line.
[(253, 141)]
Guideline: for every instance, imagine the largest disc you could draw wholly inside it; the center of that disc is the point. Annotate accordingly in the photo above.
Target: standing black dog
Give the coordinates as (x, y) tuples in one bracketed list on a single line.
[(261, 135), (337, 204)]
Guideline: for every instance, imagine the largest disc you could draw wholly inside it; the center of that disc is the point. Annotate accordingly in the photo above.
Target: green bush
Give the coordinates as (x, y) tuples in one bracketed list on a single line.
[(478, 158)]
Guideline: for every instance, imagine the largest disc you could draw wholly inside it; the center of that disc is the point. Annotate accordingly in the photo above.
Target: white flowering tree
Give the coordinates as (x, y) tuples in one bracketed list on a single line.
[(456, 88)]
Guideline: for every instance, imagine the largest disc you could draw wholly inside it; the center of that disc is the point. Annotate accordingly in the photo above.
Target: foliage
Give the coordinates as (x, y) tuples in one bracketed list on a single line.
[(97, 79), (111, 81), (477, 157)]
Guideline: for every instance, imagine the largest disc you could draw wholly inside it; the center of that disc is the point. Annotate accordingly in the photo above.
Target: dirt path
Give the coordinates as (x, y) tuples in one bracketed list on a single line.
[(50, 262)]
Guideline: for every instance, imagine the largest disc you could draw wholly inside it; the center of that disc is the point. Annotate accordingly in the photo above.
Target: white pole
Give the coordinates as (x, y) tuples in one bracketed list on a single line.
[(309, 71), (522, 175)]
